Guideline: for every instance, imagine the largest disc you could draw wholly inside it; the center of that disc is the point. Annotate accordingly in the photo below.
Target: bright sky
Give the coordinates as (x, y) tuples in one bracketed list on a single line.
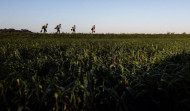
[(109, 16)]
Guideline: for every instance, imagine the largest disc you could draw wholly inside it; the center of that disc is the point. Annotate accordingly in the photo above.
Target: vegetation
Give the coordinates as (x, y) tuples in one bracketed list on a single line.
[(14, 31), (137, 72)]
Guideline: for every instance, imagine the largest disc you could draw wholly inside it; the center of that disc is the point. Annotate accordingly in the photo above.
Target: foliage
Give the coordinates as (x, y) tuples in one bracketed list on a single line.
[(94, 72)]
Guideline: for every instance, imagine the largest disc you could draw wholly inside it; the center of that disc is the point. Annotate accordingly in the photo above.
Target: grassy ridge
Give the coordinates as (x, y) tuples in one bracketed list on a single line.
[(94, 72)]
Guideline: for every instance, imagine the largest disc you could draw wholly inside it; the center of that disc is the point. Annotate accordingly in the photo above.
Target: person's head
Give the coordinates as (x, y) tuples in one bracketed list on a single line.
[(47, 24), (59, 24)]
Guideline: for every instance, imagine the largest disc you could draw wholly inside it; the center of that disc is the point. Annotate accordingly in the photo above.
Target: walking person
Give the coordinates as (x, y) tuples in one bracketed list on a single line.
[(44, 27), (73, 29), (58, 27), (93, 29)]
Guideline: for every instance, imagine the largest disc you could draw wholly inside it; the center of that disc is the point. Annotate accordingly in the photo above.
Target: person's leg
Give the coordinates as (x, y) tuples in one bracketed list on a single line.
[(59, 30)]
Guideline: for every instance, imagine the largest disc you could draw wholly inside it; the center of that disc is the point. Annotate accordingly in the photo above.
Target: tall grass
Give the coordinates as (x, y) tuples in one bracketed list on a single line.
[(94, 72)]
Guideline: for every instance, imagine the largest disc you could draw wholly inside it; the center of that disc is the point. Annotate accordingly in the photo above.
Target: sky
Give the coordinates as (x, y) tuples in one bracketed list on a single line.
[(109, 16)]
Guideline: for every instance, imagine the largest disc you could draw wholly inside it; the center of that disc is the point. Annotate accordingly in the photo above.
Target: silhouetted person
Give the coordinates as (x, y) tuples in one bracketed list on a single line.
[(93, 29), (58, 27), (44, 27), (73, 29)]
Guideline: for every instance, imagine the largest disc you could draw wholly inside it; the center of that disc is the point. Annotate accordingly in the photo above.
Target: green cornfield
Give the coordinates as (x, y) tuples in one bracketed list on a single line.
[(94, 72)]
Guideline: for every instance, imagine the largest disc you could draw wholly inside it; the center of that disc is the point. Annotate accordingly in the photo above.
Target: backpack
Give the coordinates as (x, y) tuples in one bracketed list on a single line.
[(56, 27)]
